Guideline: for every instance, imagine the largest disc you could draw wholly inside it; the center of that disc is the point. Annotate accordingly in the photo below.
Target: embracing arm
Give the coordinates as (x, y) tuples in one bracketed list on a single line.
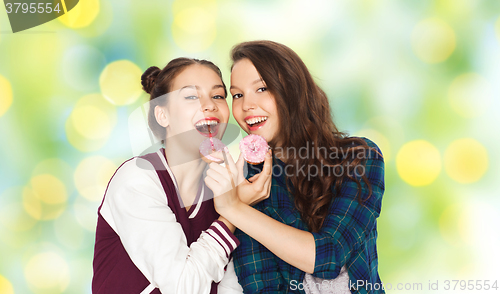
[(347, 226), (266, 230), (274, 234), (136, 208)]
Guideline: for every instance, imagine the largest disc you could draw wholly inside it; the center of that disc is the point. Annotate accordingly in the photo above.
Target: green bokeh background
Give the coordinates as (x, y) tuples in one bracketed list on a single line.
[(406, 74)]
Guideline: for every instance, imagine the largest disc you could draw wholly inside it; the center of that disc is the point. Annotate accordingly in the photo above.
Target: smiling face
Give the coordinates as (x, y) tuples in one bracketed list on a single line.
[(195, 106), (254, 107)]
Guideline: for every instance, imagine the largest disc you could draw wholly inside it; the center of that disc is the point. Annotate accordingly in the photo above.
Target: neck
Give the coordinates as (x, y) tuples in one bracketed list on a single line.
[(187, 168)]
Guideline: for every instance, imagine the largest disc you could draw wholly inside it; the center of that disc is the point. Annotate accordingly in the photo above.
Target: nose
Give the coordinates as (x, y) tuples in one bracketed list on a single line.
[(248, 103), (208, 104)]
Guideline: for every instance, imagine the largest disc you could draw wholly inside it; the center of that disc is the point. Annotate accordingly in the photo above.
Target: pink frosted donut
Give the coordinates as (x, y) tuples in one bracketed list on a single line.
[(206, 149), (254, 148)]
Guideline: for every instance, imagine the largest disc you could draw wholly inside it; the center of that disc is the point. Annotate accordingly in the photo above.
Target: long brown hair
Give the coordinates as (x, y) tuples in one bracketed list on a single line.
[(158, 82), (304, 118)]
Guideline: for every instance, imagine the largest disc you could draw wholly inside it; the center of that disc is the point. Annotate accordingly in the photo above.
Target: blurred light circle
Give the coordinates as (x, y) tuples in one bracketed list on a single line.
[(47, 272), (56, 167), (82, 15), (32, 204), (461, 10), (13, 216), (466, 160), (120, 82), (49, 189), (68, 231), (433, 40), (92, 176), (455, 225), (85, 212), (45, 198), (90, 123), (5, 95), (388, 127), (81, 66), (470, 95), (418, 163), (5, 286), (378, 139), (194, 29)]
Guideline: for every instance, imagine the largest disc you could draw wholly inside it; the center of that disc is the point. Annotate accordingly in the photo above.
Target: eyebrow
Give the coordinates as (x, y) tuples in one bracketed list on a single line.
[(217, 87), (198, 88), (189, 87), (253, 83)]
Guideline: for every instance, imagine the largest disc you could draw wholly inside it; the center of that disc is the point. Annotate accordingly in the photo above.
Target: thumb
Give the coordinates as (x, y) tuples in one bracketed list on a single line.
[(240, 164)]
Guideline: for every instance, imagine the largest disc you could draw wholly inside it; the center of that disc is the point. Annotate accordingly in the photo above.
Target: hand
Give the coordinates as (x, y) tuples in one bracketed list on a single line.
[(258, 187), (221, 180)]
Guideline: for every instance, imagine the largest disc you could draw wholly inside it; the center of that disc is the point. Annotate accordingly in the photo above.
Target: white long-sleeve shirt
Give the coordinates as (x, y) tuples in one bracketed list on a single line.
[(147, 242)]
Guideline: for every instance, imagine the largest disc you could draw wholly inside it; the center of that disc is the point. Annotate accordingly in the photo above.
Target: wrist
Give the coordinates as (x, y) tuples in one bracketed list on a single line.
[(228, 224), (231, 213)]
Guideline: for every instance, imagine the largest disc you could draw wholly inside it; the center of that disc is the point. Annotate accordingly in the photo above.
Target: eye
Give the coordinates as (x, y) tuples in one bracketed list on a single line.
[(236, 96), (192, 97), (262, 89), (218, 97)]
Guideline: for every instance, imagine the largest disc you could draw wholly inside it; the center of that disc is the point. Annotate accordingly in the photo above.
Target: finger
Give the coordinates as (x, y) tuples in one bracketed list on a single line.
[(218, 168), (254, 178), (267, 186), (211, 183), (214, 174), (232, 166), (266, 171), (240, 165), (217, 154)]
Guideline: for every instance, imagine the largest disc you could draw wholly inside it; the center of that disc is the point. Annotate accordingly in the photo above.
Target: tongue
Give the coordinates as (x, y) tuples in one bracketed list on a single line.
[(207, 129), (257, 124)]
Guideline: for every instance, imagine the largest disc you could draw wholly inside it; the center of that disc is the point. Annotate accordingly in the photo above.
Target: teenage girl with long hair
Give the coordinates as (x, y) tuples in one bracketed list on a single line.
[(319, 224)]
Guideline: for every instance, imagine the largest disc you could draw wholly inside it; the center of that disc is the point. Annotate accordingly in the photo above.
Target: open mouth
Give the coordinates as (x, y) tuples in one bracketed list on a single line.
[(208, 126), (256, 122)]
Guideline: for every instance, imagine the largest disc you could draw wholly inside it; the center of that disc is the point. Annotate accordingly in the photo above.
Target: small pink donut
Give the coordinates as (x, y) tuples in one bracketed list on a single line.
[(254, 148), (206, 149)]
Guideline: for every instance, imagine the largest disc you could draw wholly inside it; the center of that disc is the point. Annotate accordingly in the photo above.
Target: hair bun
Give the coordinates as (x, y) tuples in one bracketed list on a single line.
[(148, 78)]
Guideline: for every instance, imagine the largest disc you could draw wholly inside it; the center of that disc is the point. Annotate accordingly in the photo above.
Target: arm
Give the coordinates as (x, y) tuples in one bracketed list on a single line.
[(136, 208), (229, 284), (346, 227), (266, 230), (273, 234)]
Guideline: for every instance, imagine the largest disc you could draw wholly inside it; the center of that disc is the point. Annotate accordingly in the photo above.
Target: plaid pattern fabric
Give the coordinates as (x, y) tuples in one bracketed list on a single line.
[(348, 236)]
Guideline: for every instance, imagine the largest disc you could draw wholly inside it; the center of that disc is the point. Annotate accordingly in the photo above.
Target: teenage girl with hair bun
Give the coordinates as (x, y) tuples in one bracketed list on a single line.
[(157, 229)]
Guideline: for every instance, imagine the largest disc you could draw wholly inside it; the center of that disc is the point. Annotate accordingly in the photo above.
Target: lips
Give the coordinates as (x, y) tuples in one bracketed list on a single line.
[(208, 126), (255, 122)]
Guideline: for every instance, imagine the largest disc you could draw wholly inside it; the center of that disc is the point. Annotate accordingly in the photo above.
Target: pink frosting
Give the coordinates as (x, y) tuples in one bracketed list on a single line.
[(254, 148), (206, 148)]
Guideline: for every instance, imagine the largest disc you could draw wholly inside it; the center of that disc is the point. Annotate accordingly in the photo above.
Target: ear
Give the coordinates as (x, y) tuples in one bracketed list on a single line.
[(161, 116)]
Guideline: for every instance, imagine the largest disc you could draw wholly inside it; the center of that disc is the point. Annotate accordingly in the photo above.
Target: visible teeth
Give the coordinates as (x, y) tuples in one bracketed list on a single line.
[(255, 120), (206, 122)]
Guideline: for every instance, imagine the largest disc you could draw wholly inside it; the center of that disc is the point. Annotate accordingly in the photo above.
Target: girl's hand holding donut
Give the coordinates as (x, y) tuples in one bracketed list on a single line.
[(258, 187), (221, 180)]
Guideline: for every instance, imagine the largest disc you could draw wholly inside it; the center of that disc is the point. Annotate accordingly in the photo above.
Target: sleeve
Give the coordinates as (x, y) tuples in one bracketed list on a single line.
[(229, 283), (349, 223), (257, 267), (136, 208)]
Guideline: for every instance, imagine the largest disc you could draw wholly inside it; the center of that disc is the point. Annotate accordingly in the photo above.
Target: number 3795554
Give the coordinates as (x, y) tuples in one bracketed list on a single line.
[(32, 8)]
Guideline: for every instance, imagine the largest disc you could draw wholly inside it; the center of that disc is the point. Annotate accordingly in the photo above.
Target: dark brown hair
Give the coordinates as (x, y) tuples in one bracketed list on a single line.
[(158, 82), (304, 118)]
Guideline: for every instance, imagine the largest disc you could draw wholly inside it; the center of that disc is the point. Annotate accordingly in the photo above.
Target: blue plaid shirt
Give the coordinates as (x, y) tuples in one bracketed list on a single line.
[(348, 236)]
